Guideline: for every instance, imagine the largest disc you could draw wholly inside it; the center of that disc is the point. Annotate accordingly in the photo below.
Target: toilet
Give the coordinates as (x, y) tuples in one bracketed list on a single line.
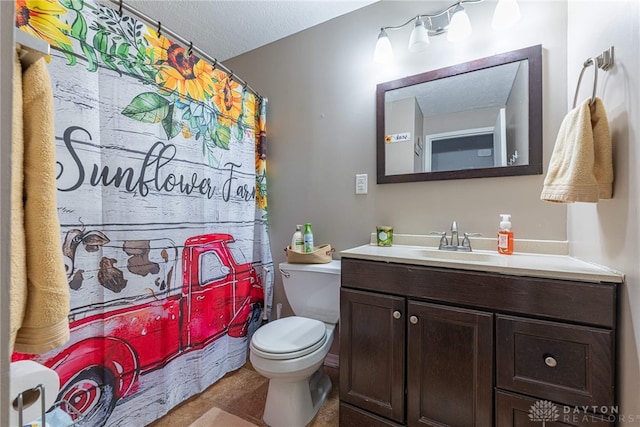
[(290, 351)]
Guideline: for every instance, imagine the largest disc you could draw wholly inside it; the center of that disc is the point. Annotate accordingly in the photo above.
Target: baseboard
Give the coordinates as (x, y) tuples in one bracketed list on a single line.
[(332, 360)]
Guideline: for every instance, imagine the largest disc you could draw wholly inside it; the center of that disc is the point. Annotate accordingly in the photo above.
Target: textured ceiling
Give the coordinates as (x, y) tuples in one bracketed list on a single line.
[(489, 87), (224, 29)]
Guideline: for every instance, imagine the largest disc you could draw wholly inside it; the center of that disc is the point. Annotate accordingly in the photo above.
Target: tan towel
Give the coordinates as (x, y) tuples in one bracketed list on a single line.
[(45, 324), (602, 150), (581, 167), (18, 289)]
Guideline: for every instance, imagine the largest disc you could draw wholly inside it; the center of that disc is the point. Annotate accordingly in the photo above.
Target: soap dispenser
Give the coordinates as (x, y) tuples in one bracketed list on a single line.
[(505, 235)]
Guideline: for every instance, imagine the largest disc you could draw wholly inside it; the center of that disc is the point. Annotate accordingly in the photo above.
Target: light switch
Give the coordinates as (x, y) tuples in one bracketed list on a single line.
[(361, 183)]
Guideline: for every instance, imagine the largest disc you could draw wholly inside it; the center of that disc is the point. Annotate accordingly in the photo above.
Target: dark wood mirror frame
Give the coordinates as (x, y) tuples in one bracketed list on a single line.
[(534, 57)]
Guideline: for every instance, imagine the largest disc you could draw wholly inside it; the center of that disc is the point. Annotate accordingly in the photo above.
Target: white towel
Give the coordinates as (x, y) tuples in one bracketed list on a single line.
[(581, 166)]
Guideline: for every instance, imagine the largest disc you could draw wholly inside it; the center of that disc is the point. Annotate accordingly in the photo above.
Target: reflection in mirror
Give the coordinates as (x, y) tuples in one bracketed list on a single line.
[(467, 127), (477, 119)]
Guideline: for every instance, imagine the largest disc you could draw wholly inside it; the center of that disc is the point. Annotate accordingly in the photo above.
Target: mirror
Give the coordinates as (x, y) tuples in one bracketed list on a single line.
[(477, 119)]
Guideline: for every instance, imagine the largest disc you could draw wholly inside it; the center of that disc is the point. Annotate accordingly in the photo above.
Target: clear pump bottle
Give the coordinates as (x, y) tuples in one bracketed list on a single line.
[(505, 235)]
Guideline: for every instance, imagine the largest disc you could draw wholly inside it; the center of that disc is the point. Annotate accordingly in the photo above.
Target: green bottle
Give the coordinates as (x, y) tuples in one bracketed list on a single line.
[(308, 238)]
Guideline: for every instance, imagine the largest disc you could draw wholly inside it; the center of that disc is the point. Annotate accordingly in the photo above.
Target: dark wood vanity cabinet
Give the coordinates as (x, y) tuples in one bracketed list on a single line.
[(427, 346)]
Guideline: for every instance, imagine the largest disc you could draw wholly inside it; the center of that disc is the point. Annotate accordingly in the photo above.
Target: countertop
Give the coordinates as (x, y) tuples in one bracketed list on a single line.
[(556, 266)]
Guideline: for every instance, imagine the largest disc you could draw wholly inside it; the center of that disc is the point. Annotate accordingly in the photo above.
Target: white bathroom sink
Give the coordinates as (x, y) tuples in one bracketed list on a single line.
[(434, 253), (547, 259)]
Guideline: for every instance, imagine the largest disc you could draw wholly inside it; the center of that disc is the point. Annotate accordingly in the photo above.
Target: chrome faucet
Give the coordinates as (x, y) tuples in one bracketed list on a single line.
[(454, 243)]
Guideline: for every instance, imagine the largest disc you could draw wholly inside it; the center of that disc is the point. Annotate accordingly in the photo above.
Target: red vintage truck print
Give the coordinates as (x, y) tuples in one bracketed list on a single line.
[(149, 317)]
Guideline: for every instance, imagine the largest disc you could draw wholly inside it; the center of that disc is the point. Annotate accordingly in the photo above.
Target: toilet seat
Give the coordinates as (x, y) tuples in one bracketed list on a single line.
[(289, 338)]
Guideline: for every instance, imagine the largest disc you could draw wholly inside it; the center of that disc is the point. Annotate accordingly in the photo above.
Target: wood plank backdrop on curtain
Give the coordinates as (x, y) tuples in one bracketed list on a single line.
[(162, 203)]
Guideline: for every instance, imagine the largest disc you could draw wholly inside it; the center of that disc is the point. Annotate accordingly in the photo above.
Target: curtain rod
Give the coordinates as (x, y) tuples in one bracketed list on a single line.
[(121, 5)]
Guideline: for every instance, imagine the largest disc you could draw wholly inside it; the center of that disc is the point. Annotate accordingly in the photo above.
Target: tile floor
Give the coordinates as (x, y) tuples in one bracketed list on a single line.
[(243, 393)]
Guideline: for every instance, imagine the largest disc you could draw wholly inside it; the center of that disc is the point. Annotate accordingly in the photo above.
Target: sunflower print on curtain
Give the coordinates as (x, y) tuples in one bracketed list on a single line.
[(162, 201)]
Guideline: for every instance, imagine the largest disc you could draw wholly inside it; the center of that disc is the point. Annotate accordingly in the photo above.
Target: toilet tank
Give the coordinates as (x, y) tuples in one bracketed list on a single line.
[(313, 290)]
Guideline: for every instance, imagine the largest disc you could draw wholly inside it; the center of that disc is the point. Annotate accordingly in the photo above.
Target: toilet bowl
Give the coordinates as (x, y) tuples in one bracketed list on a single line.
[(291, 351)]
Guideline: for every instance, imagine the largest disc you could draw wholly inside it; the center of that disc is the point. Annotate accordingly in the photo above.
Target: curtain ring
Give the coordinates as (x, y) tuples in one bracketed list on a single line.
[(215, 62), (190, 51), (159, 31), (120, 9)]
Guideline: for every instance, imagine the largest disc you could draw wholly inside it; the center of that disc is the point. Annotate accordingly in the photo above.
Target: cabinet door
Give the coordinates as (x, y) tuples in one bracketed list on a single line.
[(372, 352), (449, 366)]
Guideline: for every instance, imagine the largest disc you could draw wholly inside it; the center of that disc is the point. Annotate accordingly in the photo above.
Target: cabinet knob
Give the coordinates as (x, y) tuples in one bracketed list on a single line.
[(413, 320), (550, 361), (397, 314)]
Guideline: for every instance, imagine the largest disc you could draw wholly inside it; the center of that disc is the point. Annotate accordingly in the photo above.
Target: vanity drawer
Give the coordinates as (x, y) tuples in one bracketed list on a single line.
[(564, 363), (513, 410)]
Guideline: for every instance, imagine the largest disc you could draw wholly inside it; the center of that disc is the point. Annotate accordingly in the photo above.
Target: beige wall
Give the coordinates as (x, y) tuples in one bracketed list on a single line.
[(321, 87), (607, 232)]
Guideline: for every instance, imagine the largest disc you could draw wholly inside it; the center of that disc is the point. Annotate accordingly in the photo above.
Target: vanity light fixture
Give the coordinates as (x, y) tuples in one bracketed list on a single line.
[(384, 51), (419, 39), (460, 26), (507, 13), (453, 20)]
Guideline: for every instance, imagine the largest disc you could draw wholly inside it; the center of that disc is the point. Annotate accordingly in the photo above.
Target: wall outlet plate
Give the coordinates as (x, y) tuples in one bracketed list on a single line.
[(361, 183)]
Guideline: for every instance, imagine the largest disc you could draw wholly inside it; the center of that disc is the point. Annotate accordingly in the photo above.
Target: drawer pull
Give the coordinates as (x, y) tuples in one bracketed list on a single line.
[(550, 361), (397, 314), (413, 320)]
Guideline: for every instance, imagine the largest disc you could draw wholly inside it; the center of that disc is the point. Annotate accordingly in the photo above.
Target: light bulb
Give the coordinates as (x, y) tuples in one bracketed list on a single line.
[(507, 13), (419, 39), (384, 52), (460, 26)]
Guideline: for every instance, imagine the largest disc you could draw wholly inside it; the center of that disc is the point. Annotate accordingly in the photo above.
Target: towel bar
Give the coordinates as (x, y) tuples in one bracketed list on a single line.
[(604, 61), (587, 63), (31, 47)]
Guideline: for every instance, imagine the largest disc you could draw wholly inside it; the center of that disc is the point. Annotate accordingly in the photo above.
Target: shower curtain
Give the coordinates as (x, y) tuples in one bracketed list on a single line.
[(161, 195)]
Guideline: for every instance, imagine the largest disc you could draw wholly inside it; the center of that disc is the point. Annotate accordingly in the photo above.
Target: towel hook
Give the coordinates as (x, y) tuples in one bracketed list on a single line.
[(587, 63)]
